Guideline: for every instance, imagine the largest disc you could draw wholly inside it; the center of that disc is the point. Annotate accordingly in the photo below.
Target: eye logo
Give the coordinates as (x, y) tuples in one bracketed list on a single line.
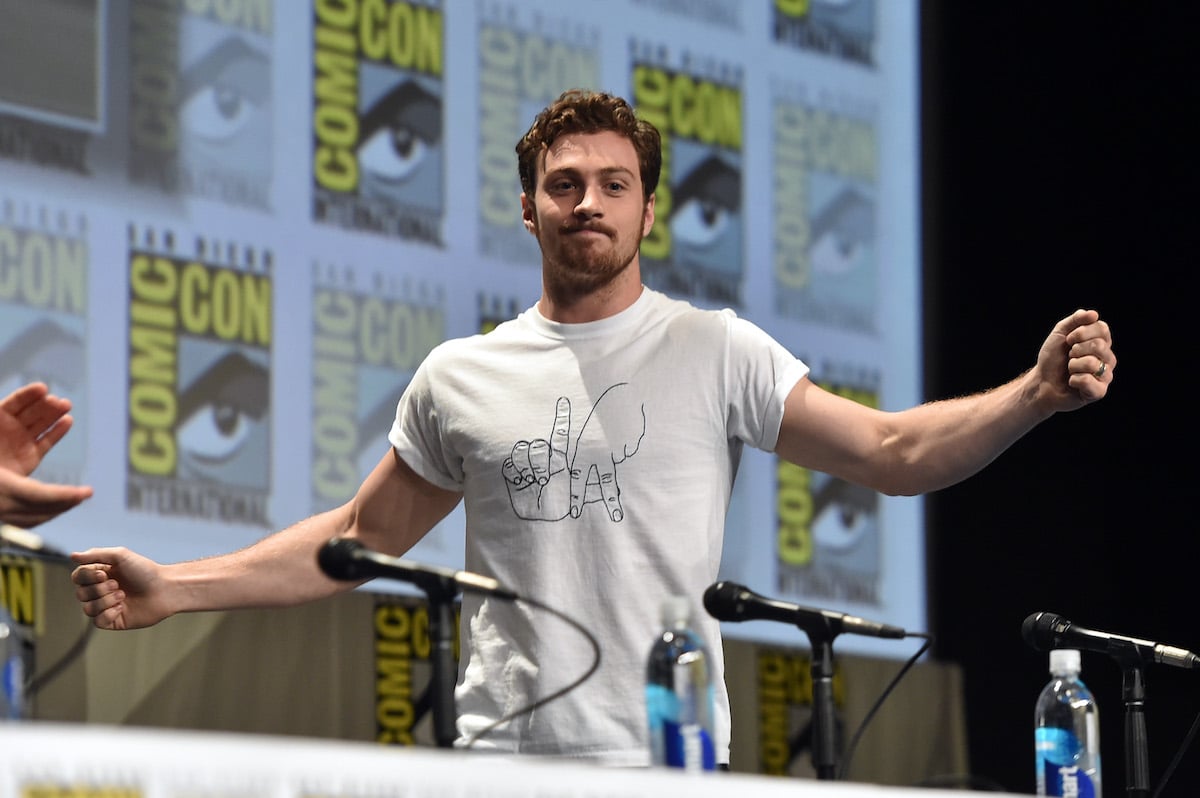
[(843, 515), (842, 233), (399, 143), (706, 202), (45, 351), (200, 110), (706, 228), (225, 93), (219, 413)]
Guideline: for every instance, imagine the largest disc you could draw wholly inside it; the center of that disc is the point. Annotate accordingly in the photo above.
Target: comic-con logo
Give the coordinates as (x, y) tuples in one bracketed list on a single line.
[(198, 380), (695, 247), (824, 235), (827, 534), (366, 346), (44, 266), (200, 98), (378, 152)]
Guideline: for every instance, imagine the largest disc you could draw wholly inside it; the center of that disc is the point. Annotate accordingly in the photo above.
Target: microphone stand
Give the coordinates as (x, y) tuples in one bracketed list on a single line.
[(824, 721), (1133, 691), (441, 593), (346, 558)]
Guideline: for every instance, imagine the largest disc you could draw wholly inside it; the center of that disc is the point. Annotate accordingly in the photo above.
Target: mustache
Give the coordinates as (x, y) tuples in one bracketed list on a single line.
[(591, 226)]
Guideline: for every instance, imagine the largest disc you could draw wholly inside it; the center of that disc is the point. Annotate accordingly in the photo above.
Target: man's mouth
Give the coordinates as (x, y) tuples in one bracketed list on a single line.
[(600, 231)]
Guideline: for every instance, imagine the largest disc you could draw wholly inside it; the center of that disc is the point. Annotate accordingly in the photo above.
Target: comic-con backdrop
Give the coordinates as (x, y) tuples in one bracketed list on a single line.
[(230, 230)]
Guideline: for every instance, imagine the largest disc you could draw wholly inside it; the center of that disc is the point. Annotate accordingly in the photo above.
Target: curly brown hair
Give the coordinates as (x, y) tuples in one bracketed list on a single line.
[(582, 111)]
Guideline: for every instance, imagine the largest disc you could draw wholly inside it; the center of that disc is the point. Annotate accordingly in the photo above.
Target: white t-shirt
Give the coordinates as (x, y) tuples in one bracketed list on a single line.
[(596, 462)]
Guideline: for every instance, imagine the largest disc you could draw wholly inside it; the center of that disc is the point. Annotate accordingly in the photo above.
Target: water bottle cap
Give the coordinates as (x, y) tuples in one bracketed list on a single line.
[(675, 611), (1064, 660)]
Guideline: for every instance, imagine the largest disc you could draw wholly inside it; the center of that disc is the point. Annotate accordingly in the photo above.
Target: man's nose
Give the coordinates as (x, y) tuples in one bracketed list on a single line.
[(590, 202)]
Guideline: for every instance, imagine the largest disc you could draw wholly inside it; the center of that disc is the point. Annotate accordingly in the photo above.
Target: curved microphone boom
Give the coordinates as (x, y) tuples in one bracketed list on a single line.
[(348, 560), (1045, 631), (729, 601)]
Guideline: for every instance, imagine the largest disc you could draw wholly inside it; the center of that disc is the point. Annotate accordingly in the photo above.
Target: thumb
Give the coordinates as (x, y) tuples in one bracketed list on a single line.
[(1076, 320), (98, 556)]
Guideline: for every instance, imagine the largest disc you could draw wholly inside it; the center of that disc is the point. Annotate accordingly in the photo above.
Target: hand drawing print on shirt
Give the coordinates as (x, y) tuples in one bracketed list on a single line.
[(547, 480)]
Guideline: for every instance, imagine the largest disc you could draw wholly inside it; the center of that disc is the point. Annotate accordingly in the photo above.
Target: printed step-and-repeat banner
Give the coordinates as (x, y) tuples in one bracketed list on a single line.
[(230, 230)]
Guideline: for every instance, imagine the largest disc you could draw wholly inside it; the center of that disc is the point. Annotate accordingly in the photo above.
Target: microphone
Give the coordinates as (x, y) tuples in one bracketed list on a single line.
[(1045, 631), (729, 601), (348, 560)]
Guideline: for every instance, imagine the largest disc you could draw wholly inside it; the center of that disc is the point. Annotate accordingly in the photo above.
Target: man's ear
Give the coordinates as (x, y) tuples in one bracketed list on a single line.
[(528, 214), (648, 216)]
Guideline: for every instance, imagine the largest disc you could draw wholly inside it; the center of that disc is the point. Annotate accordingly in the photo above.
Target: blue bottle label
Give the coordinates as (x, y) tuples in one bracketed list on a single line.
[(674, 741), (12, 682), (1058, 757)]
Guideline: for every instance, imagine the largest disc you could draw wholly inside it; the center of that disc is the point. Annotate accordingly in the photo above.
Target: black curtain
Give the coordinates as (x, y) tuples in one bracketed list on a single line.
[(1059, 160)]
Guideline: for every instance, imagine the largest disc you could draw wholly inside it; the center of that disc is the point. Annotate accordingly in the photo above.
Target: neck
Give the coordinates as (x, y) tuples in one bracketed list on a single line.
[(557, 304)]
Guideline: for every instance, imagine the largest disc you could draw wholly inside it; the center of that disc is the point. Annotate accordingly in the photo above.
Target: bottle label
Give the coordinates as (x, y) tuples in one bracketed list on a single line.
[(675, 741), (12, 677), (1062, 770)]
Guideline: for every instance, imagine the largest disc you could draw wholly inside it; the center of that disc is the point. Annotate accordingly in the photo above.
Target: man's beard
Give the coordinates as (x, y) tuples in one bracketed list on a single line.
[(569, 275)]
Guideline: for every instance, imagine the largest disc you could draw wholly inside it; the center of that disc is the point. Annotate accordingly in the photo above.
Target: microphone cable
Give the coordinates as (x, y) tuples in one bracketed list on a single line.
[(887, 690), (1175, 760), (19, 543), (343, 558), (37, 681), (516, 713)]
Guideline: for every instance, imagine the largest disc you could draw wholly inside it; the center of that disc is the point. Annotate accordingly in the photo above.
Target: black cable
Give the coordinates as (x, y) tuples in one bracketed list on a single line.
[(36, 682), (595, 644), (22, 544), (853, 744), (1187, 740)]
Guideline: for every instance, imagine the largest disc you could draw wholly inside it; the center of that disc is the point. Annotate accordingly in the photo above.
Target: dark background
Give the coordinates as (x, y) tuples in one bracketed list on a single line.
[(1060, 171)]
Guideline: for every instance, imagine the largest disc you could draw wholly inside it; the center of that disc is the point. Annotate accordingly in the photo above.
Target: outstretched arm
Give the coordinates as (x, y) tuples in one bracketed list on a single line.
[(940, 443), (393, 509), (32, 420)]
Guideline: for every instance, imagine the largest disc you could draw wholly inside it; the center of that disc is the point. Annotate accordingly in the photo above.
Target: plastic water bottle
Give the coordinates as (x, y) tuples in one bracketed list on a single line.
[(1067, 732), (679, 693)]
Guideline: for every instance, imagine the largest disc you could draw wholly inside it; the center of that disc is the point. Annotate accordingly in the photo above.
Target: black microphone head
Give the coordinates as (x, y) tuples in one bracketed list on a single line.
[(723, 601), (1040, 630), (340, 559)]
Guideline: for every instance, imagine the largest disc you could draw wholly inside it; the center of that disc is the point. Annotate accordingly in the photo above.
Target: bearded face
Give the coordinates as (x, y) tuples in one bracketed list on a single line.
[(588, 212)]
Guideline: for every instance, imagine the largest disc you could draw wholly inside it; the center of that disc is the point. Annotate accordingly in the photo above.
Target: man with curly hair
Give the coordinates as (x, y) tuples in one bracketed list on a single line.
[(594, 441)]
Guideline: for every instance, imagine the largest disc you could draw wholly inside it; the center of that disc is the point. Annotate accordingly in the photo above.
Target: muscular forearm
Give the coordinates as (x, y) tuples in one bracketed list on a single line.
[(121, 589), (277, 571), (391, 512), (938, 444)]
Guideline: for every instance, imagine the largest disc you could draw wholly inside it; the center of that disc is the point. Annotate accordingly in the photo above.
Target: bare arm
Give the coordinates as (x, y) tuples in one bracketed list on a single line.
[(393, 509), (938, 444)]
